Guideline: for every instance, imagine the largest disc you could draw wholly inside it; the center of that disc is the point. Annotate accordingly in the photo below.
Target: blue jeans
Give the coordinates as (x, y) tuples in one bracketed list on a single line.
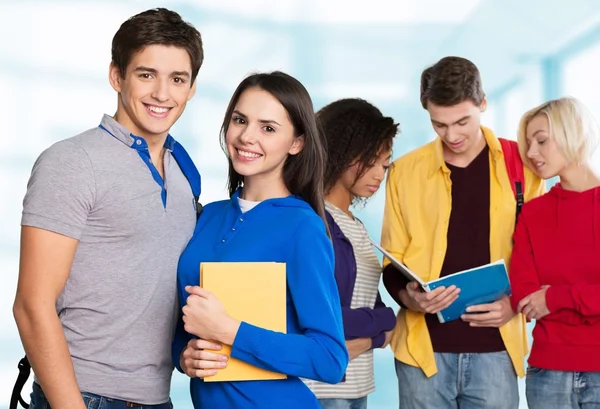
[(38, 401), (360, 403), (546, 389), (465, 381)]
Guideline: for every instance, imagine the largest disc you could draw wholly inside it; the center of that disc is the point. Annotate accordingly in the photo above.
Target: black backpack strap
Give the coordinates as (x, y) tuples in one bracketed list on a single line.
[(520, 197), (24, 371)]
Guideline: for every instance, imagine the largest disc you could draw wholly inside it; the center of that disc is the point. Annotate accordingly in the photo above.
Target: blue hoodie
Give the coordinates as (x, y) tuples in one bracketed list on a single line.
[(280, 230)]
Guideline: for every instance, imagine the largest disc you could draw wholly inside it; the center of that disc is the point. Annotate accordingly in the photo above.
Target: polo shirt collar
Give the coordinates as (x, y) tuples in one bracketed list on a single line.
[(122, 134)]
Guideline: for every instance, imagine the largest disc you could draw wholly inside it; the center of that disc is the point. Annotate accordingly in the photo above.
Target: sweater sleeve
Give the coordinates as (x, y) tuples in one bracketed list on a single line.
[(581, 297), (368, 322), (524, 278), (319, 351), (570, 317)]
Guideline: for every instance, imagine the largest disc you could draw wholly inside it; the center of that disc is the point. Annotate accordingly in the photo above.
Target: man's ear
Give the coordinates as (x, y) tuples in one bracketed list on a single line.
[(192, 91), (297, 146), (483, 105), (114, 77)]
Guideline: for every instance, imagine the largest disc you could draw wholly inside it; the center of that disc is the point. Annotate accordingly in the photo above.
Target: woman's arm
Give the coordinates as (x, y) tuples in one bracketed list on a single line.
[(581, 297), (368, 322), (319, 351), (524, 279)]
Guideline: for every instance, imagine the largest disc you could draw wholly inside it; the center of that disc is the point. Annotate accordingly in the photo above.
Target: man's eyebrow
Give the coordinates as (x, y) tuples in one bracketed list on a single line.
[(180, 74), (141, 68), (460, 120)]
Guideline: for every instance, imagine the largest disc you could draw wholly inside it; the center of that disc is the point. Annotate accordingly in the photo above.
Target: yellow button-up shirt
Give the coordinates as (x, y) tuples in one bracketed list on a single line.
[(415, 226)]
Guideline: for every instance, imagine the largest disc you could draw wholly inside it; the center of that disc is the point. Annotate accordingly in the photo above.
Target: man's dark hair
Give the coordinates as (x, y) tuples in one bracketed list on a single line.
[(156, 26), (354, 130), (451, 81)]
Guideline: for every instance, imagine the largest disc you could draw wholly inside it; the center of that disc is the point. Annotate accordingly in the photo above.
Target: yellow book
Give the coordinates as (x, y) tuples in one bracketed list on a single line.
[(251, 292)]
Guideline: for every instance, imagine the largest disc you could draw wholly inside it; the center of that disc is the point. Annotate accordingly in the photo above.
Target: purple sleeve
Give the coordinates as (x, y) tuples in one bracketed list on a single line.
[(378, 340), (368, 322)]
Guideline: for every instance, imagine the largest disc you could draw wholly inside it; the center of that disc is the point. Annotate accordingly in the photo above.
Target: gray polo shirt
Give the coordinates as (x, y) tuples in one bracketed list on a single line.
[(119, 306)]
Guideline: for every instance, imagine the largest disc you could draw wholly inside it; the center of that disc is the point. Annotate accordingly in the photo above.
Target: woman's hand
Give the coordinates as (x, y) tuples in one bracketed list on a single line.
[(205, 317), (358, 346), (198, 363), (534, 305), (388, 339)]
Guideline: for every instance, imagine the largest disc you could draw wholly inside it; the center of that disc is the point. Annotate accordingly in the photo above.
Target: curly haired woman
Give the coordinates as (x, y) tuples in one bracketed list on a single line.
[(359, 145)]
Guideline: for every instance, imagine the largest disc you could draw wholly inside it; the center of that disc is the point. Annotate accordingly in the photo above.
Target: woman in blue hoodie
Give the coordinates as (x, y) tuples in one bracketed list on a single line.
[(276, 213), (359, 145)]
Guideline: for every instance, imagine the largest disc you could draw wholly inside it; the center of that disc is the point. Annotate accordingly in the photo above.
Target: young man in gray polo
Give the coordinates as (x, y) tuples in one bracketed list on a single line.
[(106, 216)]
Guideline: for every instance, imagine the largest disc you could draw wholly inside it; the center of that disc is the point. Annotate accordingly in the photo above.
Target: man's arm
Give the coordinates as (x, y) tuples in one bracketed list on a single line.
[(46, 259), (60, 194), (395, 239)]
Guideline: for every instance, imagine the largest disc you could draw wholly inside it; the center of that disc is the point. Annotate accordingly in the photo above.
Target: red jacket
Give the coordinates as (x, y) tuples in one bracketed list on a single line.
[(557, 243)]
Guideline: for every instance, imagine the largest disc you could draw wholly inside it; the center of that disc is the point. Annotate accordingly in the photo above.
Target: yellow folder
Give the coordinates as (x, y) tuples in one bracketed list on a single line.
[(252, 292)]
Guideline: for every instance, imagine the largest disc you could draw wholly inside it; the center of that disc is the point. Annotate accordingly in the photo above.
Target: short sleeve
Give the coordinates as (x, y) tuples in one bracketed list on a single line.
[(61, 190)]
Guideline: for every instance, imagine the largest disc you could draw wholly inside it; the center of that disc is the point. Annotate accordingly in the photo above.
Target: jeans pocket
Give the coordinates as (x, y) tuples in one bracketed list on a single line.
[(90, 401), (534, 371)]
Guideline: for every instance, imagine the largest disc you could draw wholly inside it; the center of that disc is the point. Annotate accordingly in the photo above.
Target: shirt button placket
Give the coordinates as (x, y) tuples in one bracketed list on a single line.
[(233, 229)]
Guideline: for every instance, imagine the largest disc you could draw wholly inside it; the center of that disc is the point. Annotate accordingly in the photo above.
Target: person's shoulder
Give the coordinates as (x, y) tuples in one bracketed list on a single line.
[(537, 206), (77, 145), (421, 156), (308, 223), (216, 207)]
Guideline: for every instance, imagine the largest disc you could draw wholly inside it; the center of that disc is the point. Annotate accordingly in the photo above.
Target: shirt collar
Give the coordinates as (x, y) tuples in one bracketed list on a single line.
[(121, 133), (439, 162)]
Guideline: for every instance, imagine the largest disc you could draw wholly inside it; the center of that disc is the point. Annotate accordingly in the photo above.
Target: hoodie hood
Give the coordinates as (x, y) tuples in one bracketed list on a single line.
[(289, 201), (568, 201)]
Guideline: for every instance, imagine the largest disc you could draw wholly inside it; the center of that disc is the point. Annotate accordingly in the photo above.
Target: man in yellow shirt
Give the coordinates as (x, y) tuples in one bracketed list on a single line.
[(450, 207)]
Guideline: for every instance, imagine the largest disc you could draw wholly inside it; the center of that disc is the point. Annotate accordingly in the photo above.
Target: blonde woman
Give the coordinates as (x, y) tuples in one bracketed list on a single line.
[(555, 266)]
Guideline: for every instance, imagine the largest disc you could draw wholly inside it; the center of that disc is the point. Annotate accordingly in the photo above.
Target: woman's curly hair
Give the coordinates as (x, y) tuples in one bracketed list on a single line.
[(353, 130)]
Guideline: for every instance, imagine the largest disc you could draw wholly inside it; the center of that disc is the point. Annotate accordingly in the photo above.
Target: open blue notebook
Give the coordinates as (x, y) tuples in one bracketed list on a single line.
[(480, 285)]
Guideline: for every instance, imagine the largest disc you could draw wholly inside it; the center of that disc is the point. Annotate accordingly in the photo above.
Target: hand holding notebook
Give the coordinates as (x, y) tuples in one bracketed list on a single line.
[(481, 285), (429, 302), (251, 292), (205, 316)]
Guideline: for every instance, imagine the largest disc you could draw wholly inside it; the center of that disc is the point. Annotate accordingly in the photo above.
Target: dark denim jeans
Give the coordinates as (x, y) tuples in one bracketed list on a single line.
[(39, 401)]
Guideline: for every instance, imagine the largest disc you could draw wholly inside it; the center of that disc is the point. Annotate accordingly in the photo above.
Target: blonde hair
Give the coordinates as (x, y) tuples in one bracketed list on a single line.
[(572, 126)]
